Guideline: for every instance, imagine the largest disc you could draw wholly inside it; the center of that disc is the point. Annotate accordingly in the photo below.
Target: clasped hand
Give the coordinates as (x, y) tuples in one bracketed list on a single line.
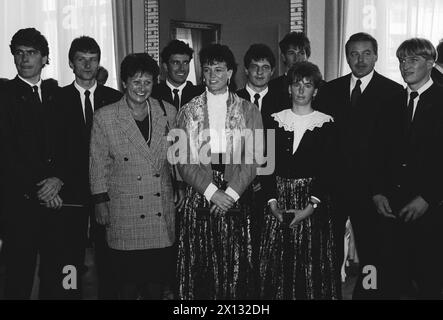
[(222, 202), (299, 215), (48, 192), (410, 212)]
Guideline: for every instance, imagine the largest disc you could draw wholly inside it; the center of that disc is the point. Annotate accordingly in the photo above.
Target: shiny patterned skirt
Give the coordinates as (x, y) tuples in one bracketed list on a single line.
[(298, 263), (214, 252)]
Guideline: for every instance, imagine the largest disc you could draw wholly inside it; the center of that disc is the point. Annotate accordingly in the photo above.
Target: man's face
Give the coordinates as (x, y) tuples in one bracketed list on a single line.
[(29, 63), (85, 65), (293, 55), (361, 58), (415, 70), (178, 68), (259, 73)]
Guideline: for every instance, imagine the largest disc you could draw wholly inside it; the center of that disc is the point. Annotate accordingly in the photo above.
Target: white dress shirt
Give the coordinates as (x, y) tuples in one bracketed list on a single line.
[(364, 82), (422, 89), (82, 96), (179, 88), (38, 84), (252, 93)]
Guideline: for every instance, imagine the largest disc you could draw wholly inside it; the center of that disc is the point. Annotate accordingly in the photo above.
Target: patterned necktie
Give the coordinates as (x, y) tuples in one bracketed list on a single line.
[(256, 97), (35, 94), (176, 101), (88, 111), (356, 93)]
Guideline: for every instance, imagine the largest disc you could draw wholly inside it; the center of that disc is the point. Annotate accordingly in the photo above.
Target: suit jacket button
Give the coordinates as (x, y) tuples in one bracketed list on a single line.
[(141, 197), (126, 159), (157, 194), (404, 165), (139, 178), (157, 175), (398, 186), (142, 216), (159, 214)]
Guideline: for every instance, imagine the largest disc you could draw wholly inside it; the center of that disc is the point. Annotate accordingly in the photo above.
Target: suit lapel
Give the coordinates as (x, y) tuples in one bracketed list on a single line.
[(131, 130), (99, 98), (423, 105), (159, 131)]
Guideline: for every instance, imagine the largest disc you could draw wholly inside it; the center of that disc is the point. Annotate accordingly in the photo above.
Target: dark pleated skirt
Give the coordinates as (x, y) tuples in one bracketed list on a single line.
[(298, 263), (215, 252)]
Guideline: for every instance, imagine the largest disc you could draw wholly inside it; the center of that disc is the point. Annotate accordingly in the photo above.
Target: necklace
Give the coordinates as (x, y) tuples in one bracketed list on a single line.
[(140, 114)]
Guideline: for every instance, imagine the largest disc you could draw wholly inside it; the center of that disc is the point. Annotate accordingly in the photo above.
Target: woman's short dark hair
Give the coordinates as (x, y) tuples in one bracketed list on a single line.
[(257, 52), (218, 53), (305, 70), (135, 63), (30, 37)]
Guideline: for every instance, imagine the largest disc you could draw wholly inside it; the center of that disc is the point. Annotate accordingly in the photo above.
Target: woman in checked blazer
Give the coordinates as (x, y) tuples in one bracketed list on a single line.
[(131, 181)]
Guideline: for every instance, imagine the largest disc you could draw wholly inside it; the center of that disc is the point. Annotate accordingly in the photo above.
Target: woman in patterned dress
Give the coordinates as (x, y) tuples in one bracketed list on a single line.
[(214, 238), (296, 251)]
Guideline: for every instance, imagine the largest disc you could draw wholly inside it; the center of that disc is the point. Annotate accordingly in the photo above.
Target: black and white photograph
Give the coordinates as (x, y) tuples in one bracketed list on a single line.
[(250, 151)]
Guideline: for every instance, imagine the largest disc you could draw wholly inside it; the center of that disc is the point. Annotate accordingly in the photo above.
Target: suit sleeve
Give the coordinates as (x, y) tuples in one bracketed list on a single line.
[(327, 162), (17, 164), (245, 173), (99, 160), (193, 174)]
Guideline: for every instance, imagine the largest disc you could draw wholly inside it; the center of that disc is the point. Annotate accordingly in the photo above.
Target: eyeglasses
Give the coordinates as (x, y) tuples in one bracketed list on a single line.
[(257, 68), (30, 53)]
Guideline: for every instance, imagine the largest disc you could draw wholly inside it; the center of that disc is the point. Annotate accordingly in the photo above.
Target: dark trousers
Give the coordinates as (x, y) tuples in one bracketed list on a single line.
[(106, 286), (411, 257), (31, 229), (365, 224)]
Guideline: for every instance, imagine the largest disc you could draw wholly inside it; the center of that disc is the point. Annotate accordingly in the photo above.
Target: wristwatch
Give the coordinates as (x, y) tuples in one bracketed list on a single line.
[(313, 204)]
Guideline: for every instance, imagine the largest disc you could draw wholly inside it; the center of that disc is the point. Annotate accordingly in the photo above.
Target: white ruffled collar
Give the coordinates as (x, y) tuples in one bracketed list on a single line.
[(298, 124)]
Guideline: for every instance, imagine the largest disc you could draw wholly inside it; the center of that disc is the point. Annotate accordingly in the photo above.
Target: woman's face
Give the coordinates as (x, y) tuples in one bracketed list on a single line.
[(138, 88), (216, 77), (302, 92)]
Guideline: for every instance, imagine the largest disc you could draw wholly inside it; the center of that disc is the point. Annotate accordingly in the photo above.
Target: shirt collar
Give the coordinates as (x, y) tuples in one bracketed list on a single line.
[(214, 99), (172, 87), (439, 68), (423, 88), (82, 90), (252, 92), (364, 80), (38, 84)]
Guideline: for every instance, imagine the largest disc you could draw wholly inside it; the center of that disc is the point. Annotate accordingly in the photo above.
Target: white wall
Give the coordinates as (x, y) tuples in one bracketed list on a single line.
[(316, 31)]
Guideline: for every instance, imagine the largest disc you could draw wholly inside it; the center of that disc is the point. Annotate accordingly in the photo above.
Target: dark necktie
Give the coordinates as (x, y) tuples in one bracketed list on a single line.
[(176, 100), (256, 97), (35, 94), (410, 109), (88, 112), (356, 93)]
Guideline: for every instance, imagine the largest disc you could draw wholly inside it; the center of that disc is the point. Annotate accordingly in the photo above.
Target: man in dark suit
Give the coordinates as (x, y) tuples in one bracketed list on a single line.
[(356, 101), (408, 177), (32, 146), (80, 99), (437, 71), (294, 47), (259, 63), (176, 57)]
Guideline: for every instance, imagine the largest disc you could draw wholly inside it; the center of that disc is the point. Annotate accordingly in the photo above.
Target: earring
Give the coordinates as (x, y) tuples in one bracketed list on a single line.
[(229, 80)]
